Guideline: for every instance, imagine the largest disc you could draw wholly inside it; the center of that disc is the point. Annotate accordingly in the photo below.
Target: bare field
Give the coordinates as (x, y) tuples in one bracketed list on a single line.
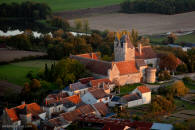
[(8, 87), (145, 23), (10, 55)]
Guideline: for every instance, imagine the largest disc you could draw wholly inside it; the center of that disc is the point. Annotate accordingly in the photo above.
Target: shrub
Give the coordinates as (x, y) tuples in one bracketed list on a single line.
[(187, 80), (164, 75), (179, 89), (182, 68)]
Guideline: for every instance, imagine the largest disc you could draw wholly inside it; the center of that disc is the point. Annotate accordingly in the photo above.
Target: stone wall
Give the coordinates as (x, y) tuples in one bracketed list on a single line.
[(129, 79)]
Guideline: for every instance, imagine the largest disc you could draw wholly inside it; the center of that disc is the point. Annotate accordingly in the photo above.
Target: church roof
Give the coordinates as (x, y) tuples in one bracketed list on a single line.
[(126, 67), (140, 62), (147, 53)]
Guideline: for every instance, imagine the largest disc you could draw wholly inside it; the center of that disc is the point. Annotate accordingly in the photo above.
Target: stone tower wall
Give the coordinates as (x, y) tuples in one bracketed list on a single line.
[(123, 53), (151, 75)]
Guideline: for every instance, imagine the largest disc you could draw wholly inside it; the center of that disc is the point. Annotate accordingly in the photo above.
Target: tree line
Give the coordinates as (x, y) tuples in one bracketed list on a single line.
[(26, 10), (158, 6)]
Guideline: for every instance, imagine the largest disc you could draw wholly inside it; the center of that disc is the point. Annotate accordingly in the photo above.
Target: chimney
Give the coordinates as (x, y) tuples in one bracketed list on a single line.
[(45, 101), (140, 48), (23, 102)]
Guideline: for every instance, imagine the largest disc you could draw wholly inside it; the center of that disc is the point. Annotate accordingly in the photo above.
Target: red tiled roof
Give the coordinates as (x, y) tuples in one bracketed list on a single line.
[(118, 123), (140, 62), (75, 99), (95, 82), (93, 65), (126, 67), (143, 89), (131, 97), (89, 55), (86, 109), (71, 116), (86, 80), (98, 93), (33, 108), (102, 108), (147, 53)]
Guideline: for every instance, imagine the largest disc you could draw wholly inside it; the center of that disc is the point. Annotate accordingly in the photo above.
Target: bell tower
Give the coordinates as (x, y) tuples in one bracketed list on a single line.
[(123, 48)]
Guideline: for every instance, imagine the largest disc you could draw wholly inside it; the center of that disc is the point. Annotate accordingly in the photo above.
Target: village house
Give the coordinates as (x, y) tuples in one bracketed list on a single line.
[(55, 124), (23, 115), (54, 106), (131, 65), (141, 95), (96, 95), (80, 87)]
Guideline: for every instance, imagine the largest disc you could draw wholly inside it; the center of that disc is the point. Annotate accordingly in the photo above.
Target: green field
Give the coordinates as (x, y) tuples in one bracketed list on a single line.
[(62, 5), (187, 105), (128, 88), (190, 38), (16, 72)]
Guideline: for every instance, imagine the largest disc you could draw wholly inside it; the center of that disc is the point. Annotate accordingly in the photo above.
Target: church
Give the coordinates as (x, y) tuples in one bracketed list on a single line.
[(131, 64)]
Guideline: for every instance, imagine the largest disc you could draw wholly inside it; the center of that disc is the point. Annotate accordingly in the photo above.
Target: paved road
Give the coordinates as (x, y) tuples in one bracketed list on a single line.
[(191, 75)]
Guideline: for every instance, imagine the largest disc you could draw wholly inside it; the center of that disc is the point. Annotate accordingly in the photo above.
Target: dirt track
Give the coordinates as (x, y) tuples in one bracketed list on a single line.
[(144, 23)]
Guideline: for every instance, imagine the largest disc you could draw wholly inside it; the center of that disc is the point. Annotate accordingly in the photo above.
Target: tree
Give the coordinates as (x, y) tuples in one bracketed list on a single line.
[(134, 37), (191, 59), (161, 104), (34, 84), (68, 70), (169, 62), (86, 26), (171, 38), (179, 89), (60, 23), (59, 33), (164, 75), (78, 25)]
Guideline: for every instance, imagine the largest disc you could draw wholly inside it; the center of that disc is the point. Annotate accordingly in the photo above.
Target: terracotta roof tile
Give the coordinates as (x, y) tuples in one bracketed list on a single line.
[(131, 97), (126, 67), (101, 107), (96, 82), (71, 116), (86, 80), (32, 108), (98, 93), (143, 89), (86, 109), (140, 62), (75, 99), (89, 55), (147, 53)]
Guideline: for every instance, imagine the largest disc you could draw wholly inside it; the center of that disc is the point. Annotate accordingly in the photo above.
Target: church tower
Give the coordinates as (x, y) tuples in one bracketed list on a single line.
[(123, 48)]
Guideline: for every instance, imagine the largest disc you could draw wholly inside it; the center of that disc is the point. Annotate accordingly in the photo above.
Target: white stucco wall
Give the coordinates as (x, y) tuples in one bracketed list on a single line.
[(146, 97), (135, 103)]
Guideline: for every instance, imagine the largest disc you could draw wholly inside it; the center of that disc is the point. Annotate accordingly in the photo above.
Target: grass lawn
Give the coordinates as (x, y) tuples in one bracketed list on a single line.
[(128, 88), (16, 72), (186, 38), (190, 86), (188, 106), (62, 5)]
